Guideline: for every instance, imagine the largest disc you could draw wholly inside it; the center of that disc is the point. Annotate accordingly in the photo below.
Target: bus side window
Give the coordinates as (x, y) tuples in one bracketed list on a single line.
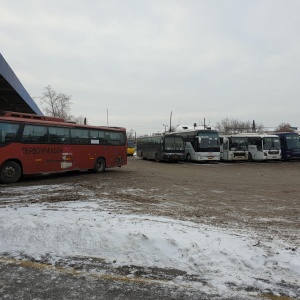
[(2, 136), (10, 137), (226, 146), (43, 139), (258, 145), (8, 132), (53, 139), (59, 135), (33, 134), (75, 140), (80, 136), (65, 139)]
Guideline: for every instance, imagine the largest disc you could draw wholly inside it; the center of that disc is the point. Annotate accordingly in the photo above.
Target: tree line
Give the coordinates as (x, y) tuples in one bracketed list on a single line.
[(59, 105)]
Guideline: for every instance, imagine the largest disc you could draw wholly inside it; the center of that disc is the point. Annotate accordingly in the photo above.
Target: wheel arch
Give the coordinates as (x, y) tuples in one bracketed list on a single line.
[(16, 160), (5, 177), (100, 168)]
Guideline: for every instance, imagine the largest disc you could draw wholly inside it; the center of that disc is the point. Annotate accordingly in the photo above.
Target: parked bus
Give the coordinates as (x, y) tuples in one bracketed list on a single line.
[(161, 148), (130, 147), (290, 145), (201, 144), (31, 144), (263, 146), (233, 147)]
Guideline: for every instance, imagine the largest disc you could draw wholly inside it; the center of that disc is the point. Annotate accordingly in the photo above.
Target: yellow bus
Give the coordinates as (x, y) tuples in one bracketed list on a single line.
[(130, 147)]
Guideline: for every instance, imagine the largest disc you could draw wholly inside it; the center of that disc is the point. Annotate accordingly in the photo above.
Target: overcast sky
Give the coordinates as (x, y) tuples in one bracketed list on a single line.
[(141, 59)]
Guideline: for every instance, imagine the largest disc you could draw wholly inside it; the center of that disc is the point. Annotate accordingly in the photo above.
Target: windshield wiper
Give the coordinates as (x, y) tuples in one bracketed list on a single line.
[(273, 147)]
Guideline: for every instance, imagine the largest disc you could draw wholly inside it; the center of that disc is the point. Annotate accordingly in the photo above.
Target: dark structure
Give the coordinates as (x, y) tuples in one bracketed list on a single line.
[(13, 96)]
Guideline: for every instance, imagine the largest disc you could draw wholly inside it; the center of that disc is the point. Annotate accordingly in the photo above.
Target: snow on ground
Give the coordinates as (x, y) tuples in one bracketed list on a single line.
[(224, 259)]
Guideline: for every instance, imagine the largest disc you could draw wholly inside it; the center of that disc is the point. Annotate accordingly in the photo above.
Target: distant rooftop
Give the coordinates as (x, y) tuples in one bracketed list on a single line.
[(191, 127), (13, 96)]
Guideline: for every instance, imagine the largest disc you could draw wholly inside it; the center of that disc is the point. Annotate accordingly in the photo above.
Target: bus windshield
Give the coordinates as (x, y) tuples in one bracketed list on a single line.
[(174, 143), (209, 139), (292, 141), (239, 143), (271, 143), (8, 132), (130, 143)]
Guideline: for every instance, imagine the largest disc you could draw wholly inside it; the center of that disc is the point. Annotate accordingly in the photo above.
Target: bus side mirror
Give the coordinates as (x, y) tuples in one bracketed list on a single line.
[(225, 140), (199, 139)]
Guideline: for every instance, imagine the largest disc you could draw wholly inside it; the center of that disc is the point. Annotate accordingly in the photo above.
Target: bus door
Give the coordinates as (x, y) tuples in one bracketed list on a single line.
[(224, 149), (255, 148), (192, 147)]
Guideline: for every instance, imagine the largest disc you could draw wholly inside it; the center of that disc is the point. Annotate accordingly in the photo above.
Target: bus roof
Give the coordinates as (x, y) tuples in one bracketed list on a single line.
[(287, 133), (11, 114), (253, 134), (35, 119)]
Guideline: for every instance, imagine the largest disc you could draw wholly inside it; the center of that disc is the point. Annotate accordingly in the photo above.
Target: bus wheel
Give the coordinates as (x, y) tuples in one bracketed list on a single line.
[(156, 157), (99, 165), (10, 172), (188, 157), (250, 157)]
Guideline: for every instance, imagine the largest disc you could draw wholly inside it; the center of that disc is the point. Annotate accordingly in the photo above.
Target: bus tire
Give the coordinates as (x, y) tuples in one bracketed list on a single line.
[(10, 172), (250, 157), (188, 157), (99, 166), (156, 157)]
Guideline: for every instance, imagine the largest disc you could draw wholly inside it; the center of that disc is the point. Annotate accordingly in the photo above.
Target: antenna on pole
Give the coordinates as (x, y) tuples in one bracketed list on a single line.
[(107, 117)]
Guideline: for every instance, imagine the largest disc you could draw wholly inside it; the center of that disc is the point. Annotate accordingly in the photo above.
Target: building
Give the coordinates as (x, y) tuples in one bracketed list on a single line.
[(13, 96)]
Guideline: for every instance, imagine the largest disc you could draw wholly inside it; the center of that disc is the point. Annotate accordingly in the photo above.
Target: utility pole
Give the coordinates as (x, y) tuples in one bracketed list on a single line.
[(170, 122), (253, 126), (165, 127)]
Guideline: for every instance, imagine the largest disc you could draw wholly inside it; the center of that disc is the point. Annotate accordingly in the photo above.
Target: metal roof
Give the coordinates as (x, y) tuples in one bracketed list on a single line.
[(13, 96)]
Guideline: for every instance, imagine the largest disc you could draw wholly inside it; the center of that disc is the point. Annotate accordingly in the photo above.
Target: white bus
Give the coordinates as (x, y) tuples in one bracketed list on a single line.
[(263, 147), (233, 147), (201, 144)]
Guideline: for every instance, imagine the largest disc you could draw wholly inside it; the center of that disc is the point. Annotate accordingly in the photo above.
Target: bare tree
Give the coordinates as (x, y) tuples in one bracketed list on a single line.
[(284, 127), (131, 134), (232, 126), (56, 104)]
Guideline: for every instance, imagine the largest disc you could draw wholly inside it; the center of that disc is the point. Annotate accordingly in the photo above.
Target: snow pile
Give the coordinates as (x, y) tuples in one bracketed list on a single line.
[(224, 259)]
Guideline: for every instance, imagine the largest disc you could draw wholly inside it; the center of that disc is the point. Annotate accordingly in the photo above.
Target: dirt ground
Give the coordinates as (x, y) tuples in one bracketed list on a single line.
[(263, 196)]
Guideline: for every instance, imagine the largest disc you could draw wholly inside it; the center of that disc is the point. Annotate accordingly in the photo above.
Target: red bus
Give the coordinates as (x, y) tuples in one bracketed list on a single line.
[(31, 144)]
